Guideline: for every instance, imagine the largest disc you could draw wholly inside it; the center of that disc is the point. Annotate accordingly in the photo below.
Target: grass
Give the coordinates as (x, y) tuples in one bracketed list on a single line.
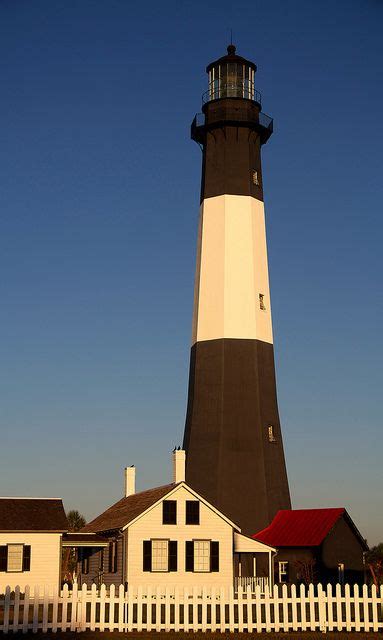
[(172, 635)]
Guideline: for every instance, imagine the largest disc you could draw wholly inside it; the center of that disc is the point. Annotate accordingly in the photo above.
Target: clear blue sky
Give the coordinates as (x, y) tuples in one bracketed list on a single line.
[(99, 196)]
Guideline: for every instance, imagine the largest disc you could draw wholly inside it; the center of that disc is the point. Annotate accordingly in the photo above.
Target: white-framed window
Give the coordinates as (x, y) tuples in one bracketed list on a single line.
[(15, 557), (202, 555), (283, 571), (160, 555), (270, 432)]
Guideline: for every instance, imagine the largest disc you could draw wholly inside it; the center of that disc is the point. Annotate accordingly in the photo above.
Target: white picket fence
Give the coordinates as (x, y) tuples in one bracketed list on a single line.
[(207, 609)]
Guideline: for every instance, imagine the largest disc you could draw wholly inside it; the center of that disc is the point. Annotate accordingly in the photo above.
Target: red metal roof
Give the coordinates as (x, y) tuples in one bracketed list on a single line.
[(299, 527)]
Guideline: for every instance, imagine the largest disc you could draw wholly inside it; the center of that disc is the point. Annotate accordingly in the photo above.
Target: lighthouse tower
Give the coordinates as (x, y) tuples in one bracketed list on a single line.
[(233, 440)]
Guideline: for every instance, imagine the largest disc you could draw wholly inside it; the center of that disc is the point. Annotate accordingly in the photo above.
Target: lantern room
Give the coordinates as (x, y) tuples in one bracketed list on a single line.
[(231, 77)]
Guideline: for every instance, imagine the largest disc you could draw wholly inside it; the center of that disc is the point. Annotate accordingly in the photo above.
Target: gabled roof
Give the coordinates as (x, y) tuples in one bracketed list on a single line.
[(301, 527), (121, 514), (32, 514), (127, 509)]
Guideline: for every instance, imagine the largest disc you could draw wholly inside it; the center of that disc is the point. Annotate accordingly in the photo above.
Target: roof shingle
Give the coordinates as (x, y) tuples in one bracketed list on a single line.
[(32, 514), (126, 509)]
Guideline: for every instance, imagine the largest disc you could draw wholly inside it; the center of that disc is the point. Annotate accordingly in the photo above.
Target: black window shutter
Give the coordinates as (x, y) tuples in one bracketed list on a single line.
[(192, 511), (110, 557), (147, 555), (169, 512), (115, 556), (27, 557), (3, 557), (189, 553), (214, 556), (172, 565)]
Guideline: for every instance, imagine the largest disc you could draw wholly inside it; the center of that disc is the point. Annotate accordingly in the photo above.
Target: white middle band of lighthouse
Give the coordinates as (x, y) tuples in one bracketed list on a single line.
[(232, 294)]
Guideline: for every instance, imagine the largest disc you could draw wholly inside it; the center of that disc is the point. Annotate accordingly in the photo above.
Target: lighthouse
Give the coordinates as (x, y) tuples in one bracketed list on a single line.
[(233, 439)]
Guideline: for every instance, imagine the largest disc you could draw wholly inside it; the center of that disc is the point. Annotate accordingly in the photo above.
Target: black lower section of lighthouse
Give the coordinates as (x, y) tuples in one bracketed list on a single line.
[(233, 440), (232, 458)]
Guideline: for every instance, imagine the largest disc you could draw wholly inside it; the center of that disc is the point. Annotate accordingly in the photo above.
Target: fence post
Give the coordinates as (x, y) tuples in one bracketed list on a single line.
[(81, 609), (240, 608), (45, 609), (294, 607), (258, 609), (380, 592), (285, 608), (16, 608), (204, 609), (121, 608), (374, 606), (366, 617), (302, 598), (36, 597), (356, 608), (339, 610), (347, 600), (222, 609), (176, 609), (195, 609), (330, 613), (26, 609), (112, 599), (185, 596), (158, 610), (213, 609), (7, 606), (93, 598), (322, 609), (167, 608), (312, 607), (73, 617), (276, 607)]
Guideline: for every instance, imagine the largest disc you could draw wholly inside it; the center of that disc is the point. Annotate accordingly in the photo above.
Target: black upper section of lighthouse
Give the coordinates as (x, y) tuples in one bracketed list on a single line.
[(231, 128)]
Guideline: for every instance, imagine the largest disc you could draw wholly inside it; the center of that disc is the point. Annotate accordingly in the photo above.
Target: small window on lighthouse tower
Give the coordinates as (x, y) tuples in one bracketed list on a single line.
[(262, 302), (270, 431)]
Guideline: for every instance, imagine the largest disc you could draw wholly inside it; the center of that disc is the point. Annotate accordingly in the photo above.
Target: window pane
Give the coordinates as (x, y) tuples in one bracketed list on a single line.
[(15, 557), (201, 555), (159, 555)]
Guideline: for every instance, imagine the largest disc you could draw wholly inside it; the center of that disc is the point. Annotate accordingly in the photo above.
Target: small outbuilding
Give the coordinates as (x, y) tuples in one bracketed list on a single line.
[(315, 545), (31, 531)]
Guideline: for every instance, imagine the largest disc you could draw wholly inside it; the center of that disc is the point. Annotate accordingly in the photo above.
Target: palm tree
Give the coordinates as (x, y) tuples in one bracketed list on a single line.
[(76, 522)]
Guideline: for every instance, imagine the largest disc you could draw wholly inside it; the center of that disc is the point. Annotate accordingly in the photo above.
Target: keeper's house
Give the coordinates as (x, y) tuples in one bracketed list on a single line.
[(316, 545), (170, 535), (31, 531)]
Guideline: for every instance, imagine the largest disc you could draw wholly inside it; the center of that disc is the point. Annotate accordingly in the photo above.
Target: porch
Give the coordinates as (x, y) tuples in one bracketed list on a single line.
[(253, 564)]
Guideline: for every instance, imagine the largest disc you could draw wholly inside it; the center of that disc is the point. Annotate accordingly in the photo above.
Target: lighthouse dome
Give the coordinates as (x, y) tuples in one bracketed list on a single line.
[(231, 76)]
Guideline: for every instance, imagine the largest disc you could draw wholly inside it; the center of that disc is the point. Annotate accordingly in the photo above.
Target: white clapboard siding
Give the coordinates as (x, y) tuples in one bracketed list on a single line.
[(45, 560), (212, 527), (174, 608)]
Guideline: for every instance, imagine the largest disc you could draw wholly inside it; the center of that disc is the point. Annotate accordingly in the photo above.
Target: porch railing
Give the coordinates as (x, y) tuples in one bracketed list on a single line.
[(251, 582)]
